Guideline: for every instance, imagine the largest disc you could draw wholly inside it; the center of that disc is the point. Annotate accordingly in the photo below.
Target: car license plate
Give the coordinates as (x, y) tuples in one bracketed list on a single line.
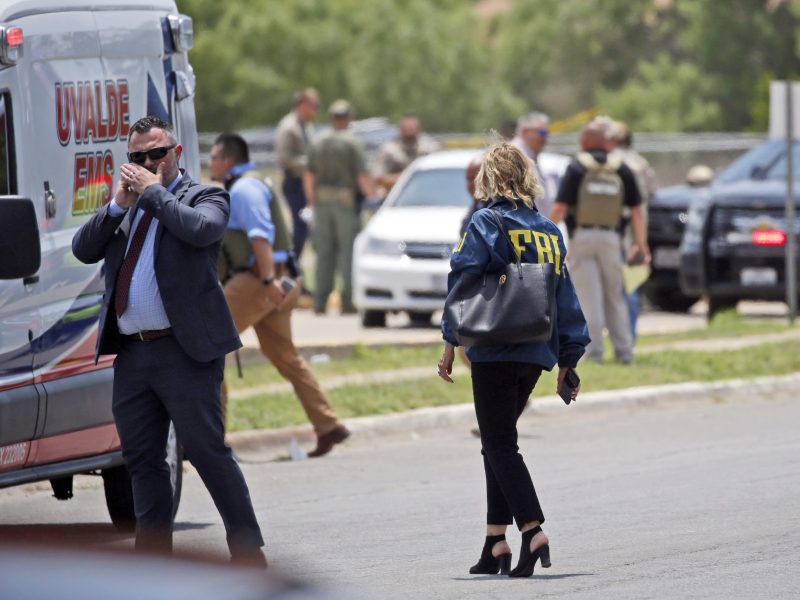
[(758, 276), (667, 258)]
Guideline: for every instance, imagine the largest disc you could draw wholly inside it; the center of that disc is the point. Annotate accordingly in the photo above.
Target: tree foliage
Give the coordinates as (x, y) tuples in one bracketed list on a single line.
[(659, 64)]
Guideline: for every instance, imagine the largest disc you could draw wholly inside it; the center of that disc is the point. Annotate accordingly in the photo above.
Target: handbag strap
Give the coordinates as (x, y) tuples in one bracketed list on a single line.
[(498, 219)]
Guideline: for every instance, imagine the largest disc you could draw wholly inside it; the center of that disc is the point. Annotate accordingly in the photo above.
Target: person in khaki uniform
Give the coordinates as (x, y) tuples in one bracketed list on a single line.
[(620, 142), (292, 138), (594, 191), (253, 259), (395, 155), (337, 172)]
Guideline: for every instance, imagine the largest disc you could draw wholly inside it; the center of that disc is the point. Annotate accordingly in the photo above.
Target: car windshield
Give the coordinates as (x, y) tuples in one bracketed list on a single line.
[(434, 187), (767, 161)]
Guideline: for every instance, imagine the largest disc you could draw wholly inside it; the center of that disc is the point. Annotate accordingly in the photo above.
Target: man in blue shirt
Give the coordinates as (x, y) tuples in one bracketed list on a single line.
[(257, 237), (164, 316)]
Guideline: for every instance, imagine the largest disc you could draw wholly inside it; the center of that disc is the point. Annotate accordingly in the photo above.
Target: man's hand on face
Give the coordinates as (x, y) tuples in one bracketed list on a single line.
[(138, 178), (124, 195)]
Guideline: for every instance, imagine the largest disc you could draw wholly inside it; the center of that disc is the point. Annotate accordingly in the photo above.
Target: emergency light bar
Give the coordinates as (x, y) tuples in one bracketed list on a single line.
[(10, 44)]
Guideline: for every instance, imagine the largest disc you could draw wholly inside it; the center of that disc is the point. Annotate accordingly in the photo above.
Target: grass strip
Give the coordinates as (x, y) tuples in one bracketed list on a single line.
[(367, 359), (279, 410)]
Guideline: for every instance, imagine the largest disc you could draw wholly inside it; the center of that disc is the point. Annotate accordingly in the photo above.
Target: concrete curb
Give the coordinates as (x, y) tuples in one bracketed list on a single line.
[(260, 445)]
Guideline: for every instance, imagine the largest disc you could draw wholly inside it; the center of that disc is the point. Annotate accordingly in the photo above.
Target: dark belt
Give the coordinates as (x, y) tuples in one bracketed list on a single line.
[(148, 336), (600, 227)]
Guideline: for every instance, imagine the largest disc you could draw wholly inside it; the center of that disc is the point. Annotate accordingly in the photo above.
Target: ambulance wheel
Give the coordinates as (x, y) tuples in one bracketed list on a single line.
[(373, 318)]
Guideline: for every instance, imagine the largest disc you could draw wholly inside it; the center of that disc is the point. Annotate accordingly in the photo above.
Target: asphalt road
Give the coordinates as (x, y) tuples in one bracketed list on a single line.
[(695, 499)]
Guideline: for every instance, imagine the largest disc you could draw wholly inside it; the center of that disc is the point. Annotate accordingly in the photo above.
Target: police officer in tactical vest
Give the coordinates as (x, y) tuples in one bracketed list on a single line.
[(595, 190), (258, 285)]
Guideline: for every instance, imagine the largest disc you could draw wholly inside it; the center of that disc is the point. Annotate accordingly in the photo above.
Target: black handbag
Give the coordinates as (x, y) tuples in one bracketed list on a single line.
[(515, 305)]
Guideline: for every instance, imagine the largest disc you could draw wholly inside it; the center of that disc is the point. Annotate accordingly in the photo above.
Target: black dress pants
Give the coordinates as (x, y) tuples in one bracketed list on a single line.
[(155, 382), (501, 391)]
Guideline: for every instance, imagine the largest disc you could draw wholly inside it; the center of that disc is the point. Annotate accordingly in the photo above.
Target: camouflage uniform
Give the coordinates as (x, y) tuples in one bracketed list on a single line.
[(291, 144), (336, 159)]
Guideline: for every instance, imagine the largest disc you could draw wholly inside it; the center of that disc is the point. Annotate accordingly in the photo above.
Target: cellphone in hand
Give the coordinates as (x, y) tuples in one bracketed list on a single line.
[(288, 284), (571, 381)]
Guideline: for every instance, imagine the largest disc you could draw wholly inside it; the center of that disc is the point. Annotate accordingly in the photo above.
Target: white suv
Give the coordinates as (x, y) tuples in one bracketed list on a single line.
[(402, 257)]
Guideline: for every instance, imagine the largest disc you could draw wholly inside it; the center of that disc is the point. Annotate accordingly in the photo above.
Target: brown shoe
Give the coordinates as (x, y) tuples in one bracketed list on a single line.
[(325, 443)]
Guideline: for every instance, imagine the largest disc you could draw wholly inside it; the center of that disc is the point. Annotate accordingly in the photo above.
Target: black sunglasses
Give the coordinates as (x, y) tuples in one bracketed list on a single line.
[(153, 154)]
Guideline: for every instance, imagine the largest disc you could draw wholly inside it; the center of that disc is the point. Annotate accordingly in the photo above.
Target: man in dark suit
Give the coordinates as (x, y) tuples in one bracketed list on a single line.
[(165, 316)]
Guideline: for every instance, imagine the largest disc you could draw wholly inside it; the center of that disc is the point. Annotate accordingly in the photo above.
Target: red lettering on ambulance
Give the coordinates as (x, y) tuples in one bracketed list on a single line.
[(101, 124), (79, 190), (124, 108), (63, 113), (76, 108), (113, 110), (89, 120)]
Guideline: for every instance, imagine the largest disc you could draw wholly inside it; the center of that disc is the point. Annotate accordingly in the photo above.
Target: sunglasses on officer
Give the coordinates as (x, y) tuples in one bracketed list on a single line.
[(153, 154)]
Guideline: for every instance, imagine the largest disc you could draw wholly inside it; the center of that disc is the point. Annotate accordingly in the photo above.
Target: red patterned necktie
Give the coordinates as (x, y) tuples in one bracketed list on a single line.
[(129, 264)]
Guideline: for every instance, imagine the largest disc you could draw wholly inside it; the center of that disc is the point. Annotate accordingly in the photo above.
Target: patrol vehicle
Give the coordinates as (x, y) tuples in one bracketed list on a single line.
[(734, 244), (74, 76)]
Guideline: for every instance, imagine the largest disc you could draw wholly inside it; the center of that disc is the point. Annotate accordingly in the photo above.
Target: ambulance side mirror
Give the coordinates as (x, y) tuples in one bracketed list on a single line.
[(20, 251)]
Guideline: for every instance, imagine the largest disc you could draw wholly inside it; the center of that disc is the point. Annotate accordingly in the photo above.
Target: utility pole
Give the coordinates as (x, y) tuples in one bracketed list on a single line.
[(791, 237)]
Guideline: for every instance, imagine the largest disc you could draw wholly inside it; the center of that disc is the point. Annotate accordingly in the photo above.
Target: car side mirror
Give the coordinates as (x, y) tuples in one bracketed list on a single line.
[(700, 176), (20, 251)]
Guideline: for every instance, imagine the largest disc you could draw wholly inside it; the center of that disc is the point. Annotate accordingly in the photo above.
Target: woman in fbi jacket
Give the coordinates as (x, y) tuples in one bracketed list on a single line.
[(504, 376)]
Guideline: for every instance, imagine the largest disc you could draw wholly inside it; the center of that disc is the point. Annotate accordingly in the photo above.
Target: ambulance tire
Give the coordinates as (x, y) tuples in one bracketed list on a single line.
[(119, 492), (373, 318)]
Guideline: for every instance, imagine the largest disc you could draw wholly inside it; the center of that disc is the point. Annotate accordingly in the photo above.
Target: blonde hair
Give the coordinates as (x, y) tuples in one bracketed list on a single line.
[(507, 172)]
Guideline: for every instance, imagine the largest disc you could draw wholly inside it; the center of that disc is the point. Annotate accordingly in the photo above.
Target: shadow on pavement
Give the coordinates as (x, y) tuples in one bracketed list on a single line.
[(75, 534), (496, 577)]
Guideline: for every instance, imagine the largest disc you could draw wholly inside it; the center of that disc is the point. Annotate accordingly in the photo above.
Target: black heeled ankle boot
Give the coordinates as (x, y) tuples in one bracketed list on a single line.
[(527, 559), (490, 564)]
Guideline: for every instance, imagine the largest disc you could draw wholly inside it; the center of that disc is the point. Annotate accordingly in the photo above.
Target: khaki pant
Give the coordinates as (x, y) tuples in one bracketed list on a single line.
[(335, 228), (250, 308), (595, 264)]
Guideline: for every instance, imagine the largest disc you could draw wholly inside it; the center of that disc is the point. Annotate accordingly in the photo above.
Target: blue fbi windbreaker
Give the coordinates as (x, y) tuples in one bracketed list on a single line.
[(538, 240)]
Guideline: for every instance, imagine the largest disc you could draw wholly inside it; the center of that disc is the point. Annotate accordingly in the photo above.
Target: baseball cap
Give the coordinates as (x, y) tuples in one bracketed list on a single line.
[(340, 108)]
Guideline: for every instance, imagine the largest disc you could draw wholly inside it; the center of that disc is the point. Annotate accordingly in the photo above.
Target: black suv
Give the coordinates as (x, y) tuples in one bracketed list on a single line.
[(734, 245)]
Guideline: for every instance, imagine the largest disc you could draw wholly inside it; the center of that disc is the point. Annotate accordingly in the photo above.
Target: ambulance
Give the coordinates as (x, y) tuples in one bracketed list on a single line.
[(74, 76)]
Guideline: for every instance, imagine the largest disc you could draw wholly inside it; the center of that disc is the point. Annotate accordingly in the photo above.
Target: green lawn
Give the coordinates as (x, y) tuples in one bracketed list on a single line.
[(277, 410)]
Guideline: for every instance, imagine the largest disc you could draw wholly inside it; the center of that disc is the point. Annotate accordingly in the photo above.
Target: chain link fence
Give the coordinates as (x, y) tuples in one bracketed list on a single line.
[(670, 154)]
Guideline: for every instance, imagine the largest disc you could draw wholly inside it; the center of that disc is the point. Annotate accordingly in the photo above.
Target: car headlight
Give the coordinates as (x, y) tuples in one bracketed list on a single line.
[(384, 247)]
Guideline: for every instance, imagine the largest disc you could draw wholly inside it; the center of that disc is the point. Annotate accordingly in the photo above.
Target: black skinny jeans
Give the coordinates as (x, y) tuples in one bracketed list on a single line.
[(501, 390)]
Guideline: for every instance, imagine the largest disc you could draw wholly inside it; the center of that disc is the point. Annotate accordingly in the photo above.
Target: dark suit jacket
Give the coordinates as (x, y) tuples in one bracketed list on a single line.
[(191, 223)]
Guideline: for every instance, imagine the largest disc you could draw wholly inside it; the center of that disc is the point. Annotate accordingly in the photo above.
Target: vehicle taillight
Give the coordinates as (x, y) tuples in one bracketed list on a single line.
[(769, 237), (10, 44), (14, 36)]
